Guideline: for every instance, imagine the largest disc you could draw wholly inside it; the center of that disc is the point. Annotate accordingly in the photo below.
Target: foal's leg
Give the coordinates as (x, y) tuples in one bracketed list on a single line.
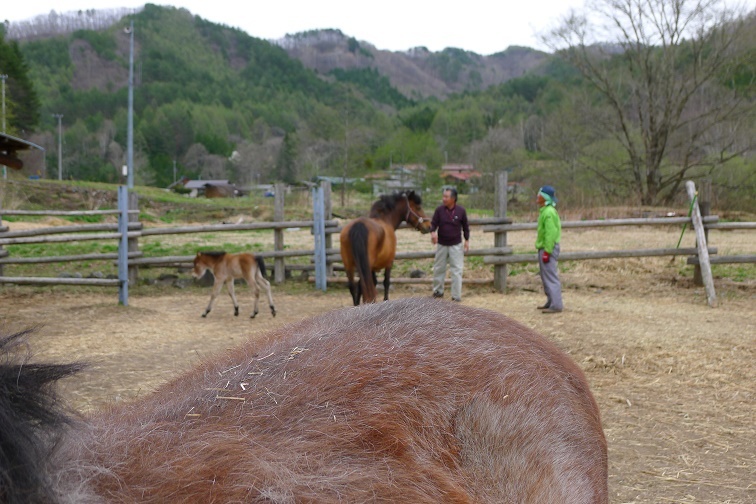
[(386, 283), (217, 286), (262, 283), (250, 277), (230, 286)]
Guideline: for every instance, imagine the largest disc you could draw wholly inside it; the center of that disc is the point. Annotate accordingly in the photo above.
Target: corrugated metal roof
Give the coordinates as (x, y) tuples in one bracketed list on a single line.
[(200, 184)]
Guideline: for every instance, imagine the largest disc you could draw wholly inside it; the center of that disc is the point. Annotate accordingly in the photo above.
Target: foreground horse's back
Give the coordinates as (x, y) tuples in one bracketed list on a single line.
[(414, 400)]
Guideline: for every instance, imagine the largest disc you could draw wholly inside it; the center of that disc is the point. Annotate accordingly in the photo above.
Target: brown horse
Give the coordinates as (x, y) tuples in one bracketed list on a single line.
[(226, 268), (368, 244), (415, 400)]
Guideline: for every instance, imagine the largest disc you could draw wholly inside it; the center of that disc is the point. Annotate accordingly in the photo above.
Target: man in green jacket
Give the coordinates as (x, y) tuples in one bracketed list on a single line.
[(547, 244)]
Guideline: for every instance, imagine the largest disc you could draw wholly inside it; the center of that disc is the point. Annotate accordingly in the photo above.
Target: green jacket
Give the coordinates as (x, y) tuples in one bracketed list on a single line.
[(549, 229)]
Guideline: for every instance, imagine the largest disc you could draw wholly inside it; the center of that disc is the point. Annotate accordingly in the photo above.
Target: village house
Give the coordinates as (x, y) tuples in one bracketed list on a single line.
[(461, 176)]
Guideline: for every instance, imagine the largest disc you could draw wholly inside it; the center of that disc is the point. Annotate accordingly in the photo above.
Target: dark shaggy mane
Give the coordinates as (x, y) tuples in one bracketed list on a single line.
[(30, 413), (214, 253), (387, 202)]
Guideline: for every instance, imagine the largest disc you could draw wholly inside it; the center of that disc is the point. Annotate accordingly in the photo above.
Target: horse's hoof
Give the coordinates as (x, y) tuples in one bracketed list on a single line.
[(204, 315), (254, 315), (236, 311), (273, 311)]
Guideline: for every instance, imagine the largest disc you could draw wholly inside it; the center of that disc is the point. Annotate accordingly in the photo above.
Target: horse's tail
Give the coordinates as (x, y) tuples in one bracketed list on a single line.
[(261, 265), (358, 237), (31, 420)]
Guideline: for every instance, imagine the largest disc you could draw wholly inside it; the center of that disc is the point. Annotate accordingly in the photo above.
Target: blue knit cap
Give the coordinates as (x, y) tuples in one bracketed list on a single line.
[(549, 194)]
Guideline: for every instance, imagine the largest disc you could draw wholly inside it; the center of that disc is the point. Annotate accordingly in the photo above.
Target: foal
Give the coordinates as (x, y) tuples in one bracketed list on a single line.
[(226, 268), (415, 400)]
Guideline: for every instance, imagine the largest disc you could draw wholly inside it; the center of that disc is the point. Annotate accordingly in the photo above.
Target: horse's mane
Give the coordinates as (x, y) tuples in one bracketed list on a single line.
[(214, 253), (31, 418), (387, 202)]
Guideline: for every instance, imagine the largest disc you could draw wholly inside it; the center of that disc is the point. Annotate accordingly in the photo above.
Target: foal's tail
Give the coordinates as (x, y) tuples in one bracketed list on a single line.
[(358, 237), (261, 265), (31, 420)]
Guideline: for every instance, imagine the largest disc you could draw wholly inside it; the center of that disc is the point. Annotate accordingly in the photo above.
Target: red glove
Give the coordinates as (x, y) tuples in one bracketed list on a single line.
[(545, 256)]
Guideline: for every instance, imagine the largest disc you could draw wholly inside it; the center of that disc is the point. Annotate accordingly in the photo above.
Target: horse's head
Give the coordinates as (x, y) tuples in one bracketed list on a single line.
[(200, 265), (415, 215)]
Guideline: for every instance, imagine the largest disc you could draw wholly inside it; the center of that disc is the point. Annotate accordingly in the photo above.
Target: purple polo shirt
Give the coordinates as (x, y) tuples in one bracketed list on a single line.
[(449, 222)]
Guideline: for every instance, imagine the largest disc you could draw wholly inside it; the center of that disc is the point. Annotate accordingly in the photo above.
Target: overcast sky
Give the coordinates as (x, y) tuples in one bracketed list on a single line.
[(481, 26)]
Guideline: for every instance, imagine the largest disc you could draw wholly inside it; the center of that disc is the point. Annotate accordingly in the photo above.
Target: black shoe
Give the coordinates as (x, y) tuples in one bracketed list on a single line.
[(543, 307), (551, 310), (457, 300), (438, 294)]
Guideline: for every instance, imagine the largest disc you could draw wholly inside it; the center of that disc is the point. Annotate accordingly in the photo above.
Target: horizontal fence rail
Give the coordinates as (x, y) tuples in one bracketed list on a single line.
[(96, 282), (597, 254), (211, 228), (67, 229), (66, 213), (660, 221), (729, 225), (112, 256), (733, 259)]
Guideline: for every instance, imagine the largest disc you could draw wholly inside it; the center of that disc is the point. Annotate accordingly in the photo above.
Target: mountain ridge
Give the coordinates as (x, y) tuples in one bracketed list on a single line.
[(417, 72)]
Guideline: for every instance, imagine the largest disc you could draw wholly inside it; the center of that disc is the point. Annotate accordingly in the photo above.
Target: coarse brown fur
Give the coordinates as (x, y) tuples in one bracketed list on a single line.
[(415, 400), (368, 244), (227, 267)]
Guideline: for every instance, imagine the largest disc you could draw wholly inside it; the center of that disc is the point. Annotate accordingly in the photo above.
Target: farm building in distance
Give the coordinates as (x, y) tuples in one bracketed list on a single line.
[(463, 175), (404, 177), (208, 188), (11, 146)]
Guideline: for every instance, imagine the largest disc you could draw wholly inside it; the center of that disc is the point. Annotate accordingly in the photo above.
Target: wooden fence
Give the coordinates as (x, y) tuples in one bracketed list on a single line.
[(499, 255)]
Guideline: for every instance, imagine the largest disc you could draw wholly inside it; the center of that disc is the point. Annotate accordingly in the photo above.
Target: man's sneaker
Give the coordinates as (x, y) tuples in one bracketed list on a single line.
[(551, 310), (438, 294)]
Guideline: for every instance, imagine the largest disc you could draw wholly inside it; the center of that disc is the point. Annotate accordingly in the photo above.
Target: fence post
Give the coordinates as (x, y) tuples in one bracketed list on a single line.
[(278, 236), (133, 204), (500, 238), (703, 251), (123, 245), (327, 215), (3, 229), (704, 202), (318, 231)]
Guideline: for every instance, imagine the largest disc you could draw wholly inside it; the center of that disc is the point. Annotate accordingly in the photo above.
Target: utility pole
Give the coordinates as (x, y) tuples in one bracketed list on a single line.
[(130, 133), (4, 77), (60, 145), (346, 159)]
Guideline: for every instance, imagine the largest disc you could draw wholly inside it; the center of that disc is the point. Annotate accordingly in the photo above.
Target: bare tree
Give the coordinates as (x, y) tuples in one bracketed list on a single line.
[(57, 23), (255, 161), (663, 68)]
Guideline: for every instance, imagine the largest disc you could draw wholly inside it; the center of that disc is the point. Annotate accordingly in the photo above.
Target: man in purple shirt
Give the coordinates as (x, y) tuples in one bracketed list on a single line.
[(448, 225)]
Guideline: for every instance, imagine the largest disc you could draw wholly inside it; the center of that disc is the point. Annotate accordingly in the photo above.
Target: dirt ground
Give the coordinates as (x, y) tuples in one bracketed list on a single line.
[(674, 379)]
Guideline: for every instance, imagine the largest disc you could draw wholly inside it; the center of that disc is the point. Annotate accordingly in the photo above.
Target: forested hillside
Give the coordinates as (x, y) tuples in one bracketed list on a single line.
[(214, 102)]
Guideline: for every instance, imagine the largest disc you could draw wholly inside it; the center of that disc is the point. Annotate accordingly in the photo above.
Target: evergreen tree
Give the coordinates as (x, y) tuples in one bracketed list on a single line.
[(21, 102)]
